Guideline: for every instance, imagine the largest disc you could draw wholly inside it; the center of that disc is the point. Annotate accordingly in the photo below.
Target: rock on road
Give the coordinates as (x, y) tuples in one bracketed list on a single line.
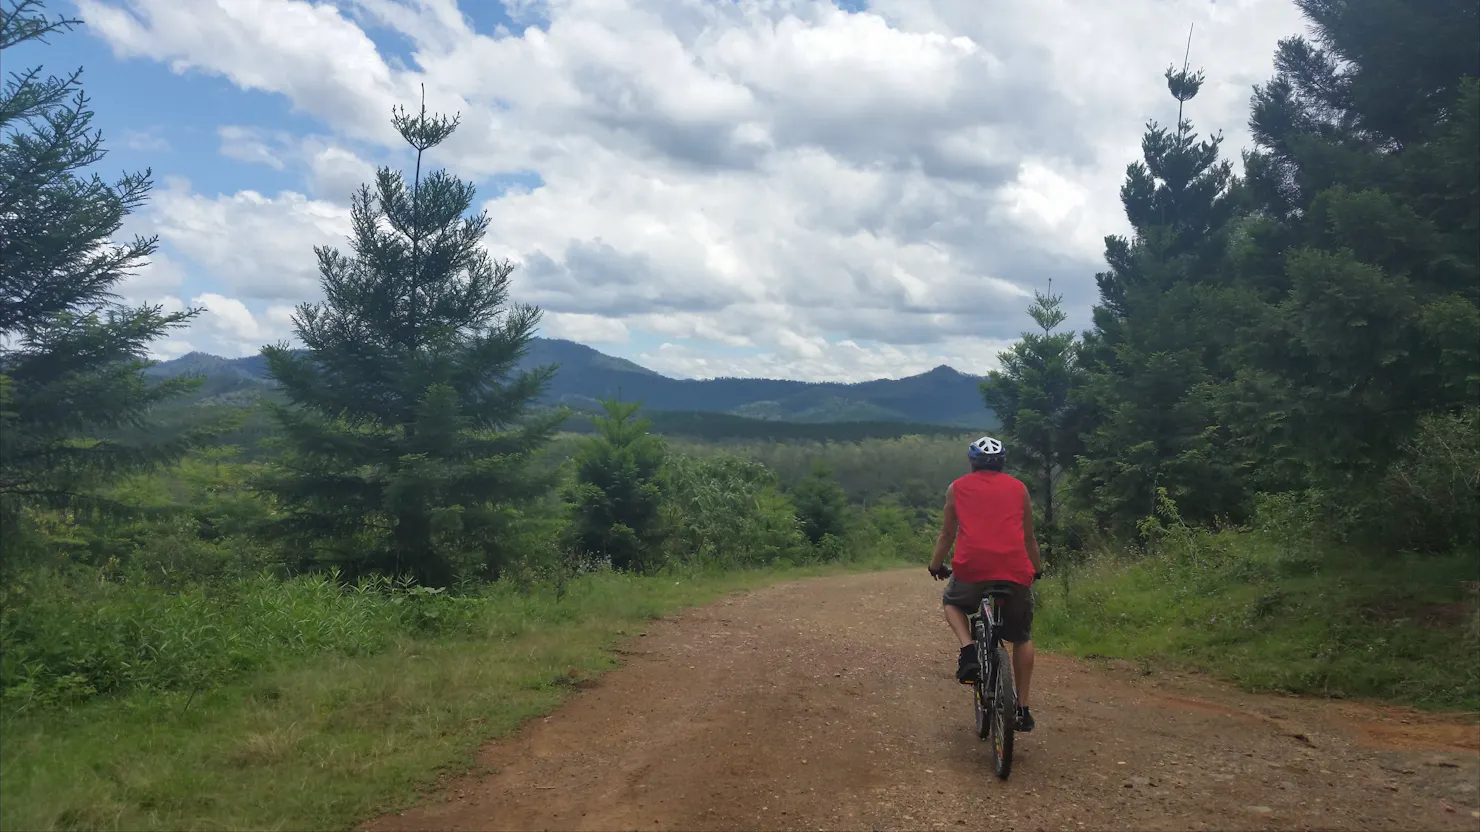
[(831, 704)]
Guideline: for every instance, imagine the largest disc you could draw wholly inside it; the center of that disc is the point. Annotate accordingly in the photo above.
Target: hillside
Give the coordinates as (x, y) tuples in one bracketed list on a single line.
[(942, 396)]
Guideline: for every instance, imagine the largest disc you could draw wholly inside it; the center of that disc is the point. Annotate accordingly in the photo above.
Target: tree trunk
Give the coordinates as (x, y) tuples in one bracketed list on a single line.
[(1048, 507), (414, 552)]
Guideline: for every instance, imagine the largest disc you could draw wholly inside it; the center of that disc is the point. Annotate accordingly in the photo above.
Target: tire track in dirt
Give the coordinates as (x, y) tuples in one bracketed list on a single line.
[(831, 704)]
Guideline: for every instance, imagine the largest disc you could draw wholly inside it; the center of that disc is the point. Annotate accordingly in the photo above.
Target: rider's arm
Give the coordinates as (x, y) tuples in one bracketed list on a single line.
[(947, 530), (1029, 539)]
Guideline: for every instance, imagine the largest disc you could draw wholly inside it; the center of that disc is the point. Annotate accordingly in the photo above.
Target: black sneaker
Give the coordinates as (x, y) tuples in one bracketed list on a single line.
[(1024, 720), (968, 670)]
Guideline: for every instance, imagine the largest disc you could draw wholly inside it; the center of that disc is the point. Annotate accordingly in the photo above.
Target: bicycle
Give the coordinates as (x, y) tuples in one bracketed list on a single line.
[(994, 693)]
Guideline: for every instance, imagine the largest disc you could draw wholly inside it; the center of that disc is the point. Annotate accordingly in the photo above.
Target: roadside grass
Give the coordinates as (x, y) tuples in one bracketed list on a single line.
[(327, 741), (1280, 615)]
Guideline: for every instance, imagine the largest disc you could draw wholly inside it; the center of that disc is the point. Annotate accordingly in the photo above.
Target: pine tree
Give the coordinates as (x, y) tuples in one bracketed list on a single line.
[(821, 504), (1156, 344), (407, 423), (1036, 396), (1368, 246), (616, 496), (71, 355)]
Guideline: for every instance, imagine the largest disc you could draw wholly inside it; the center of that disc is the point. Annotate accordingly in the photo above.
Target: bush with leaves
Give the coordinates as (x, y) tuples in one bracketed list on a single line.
[(1429, 498), (727, 511)]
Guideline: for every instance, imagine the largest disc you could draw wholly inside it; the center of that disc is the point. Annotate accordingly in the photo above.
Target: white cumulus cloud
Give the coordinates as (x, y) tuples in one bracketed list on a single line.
[(777, 187)]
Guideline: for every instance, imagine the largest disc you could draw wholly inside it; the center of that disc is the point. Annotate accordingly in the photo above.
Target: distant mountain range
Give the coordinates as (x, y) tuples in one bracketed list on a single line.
[(942, 396)]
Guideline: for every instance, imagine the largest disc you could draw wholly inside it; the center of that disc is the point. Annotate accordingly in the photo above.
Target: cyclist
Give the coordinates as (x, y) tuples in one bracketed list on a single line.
[(989, 519)]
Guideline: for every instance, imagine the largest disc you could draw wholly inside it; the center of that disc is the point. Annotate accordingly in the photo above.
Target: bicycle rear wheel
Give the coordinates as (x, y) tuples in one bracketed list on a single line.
[(1003, 714)]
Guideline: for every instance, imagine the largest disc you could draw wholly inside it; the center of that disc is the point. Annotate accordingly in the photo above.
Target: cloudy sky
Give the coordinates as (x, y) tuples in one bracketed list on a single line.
[(786, 188)]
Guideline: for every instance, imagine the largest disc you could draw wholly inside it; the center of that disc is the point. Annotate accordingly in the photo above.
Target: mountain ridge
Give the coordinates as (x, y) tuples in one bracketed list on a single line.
[(942, 395)]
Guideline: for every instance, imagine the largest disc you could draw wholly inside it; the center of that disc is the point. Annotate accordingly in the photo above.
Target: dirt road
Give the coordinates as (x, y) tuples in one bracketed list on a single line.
[(830, 704)]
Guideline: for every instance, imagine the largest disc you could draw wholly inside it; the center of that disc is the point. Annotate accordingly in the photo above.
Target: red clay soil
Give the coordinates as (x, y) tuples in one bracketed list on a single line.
[(831, 704)]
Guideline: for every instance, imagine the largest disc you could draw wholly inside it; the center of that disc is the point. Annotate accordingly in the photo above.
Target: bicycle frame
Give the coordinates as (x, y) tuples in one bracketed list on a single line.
[(989, 617)]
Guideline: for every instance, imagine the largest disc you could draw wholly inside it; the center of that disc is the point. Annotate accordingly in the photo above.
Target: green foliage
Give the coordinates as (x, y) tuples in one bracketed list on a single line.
[(71, 357), (1308, 331), (725, 510), (72, 637), (912, 470), (720, 427), (407, 427), (891, 527), (1280, 426), (1429, 498), (616, 497), (1272, 610), (822, 505), (182, 597), (1366, 159)]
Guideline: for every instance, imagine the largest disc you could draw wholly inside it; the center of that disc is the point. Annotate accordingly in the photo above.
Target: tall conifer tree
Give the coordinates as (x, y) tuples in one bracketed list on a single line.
[(408, 422), (1035, 394), (71, 355), (1155, 337)]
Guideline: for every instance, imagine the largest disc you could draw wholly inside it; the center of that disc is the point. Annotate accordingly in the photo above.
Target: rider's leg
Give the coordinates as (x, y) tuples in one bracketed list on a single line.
[(957, 598), (959, 625), (1019, 615), (1022, 670)]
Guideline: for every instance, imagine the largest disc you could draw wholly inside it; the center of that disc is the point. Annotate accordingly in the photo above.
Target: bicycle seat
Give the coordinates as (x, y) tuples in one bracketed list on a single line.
[(1001, 589)]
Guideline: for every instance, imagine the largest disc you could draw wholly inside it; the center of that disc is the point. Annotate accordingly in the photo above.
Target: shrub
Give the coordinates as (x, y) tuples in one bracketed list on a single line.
[(1429, 499), (726, 511), (72, 635)]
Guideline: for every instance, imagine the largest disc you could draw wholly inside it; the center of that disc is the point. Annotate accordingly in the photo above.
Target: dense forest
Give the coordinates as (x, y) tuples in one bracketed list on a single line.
[(1308, 329), (1276, 411), (1265, 453)]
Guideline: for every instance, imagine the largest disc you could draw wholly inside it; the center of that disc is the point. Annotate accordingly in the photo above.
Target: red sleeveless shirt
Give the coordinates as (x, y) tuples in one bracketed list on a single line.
[(989, 531)]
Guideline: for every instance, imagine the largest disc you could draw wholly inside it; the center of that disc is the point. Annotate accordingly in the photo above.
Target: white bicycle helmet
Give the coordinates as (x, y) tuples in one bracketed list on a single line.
[(984, 447)]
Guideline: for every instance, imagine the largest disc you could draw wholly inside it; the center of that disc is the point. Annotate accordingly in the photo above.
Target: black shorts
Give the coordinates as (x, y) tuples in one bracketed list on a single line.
[(1017, 610)]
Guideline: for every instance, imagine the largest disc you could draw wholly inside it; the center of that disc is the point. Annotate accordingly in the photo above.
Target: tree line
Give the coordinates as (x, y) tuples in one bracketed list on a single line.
[(1310, 328)]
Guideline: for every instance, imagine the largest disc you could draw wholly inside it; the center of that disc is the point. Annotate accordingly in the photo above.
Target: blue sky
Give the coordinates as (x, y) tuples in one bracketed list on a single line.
[(797, 189)]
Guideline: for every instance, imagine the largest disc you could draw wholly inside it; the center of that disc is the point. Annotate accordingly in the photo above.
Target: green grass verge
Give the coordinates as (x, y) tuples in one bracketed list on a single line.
[(1272, 616), (327, 742)]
